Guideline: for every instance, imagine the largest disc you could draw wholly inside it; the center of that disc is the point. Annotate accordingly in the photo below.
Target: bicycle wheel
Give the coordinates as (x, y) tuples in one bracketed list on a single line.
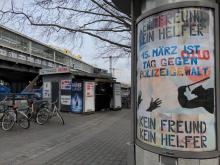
[(60, 117), (8, 121), (43, 116), (23, 121)]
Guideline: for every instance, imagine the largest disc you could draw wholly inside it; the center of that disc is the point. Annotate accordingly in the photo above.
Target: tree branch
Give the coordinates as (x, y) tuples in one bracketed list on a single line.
[(113, 15), (102, 20), (113, 6), (107, 30), (29, 18)]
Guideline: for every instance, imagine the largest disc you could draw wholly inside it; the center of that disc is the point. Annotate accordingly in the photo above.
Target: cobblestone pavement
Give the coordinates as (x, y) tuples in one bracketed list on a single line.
[(96, 139)]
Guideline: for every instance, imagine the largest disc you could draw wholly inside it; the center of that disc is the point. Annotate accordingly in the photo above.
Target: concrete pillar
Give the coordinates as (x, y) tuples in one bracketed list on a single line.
[(54, 58), (176, 112)]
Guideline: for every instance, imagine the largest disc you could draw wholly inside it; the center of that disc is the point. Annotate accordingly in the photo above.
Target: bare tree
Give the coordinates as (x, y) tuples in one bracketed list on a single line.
[(71, 19)]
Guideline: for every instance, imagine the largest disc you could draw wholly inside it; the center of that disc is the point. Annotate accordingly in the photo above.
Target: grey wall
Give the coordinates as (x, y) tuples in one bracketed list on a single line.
[(56, 77)]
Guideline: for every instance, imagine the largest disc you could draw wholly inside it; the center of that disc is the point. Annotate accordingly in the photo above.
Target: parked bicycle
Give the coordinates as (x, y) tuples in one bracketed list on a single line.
[(33, 110), (3, 108), (12, 115), (45, 114)]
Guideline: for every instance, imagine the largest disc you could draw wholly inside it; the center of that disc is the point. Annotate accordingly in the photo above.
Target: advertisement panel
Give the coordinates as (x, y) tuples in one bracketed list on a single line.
[(89, 89), (65, 84), (65, 99), (54, 70), (77, 97), (12, 55), (117, 95), (37, 61), (89, 104), (22, 57), (3, 52), (47, 90), (176, 80), (30, 59)]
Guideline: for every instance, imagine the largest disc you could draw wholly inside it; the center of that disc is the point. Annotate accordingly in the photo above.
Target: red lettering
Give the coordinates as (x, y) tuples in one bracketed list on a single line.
[(157, 72), (201, 55)]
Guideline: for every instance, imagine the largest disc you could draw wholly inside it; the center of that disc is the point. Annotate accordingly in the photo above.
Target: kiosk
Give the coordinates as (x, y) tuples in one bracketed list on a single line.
[(75, 91)]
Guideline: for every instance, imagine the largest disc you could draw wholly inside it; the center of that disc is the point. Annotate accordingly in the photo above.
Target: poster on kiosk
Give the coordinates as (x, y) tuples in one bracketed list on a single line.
[(77, 97), (89, 97), (46, 90), (65, 95)]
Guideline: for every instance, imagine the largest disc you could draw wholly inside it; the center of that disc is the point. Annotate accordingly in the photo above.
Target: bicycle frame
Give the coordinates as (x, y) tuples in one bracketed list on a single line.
[(55, 109), (16, 112)]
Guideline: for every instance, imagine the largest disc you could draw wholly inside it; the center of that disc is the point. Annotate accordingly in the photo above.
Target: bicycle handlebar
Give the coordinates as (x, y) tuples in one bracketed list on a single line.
[(3, 101), (53, 103)]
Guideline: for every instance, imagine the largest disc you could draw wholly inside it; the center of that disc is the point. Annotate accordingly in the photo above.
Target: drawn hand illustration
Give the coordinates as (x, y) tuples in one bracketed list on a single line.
[(154, 104), (139, 98)]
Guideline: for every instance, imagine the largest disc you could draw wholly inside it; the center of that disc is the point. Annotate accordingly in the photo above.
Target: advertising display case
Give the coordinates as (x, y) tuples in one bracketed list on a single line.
[(177, 80)]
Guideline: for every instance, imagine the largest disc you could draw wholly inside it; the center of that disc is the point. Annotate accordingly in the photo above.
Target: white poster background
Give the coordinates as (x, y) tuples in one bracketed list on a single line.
[(65, 99), (166, 87), (89, 86), (89, 96), (47, 90), (117, 95), (66, 84)]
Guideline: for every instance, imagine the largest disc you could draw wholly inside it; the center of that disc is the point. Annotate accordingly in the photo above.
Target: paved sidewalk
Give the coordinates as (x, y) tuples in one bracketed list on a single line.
[(105, 148), (96, 139)]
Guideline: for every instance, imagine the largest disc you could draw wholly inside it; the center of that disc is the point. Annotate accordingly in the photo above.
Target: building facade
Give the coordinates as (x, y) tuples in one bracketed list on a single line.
[(17, 47)]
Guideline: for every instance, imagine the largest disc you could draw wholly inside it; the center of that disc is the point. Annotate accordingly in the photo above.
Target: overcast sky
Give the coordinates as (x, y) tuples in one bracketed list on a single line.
[(88, 50)]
